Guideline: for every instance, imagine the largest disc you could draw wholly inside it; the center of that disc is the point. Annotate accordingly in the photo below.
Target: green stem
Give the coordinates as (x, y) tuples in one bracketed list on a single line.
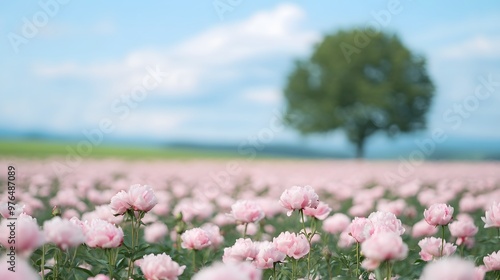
[(194, 261), (389, 270), (308, 241), (136, 223), (274, 271), (294, 268), (57, 263), (301, 213), (357, 259), (111, 261), (42, 264), (378, 274), (245, 231), (442, 241)]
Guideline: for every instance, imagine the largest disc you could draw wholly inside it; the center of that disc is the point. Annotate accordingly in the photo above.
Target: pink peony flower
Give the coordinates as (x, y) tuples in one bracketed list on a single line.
[(142, 198), (450, 268), (431, 248), (361, 229), (63, 233), (386, 222), (30, 236), (438, 214), (155, 267), (216, 239), (298, 198), (242, 250), (492, 261), (233, 271), (120, 203), (99, 277), (246, 211), (397, 207), (293, 245), (345, 240), (492, 216), (337, 223), (268, 255), (7, 213), (320, 212), (195, 239), (23, 270), (422, 228), (155, 233), (381, 247), (103, 234), (462, 230)]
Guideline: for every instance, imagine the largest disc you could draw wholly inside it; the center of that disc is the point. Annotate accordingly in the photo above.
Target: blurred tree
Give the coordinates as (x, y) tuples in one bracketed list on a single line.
[(361, 83)]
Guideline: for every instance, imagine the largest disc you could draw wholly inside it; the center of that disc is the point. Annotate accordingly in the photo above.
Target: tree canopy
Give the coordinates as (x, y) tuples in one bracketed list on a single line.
[(360, 83)]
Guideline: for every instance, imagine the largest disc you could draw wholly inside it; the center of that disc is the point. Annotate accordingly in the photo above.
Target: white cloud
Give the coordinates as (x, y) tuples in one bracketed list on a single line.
[(209, 57), (265, 95), (476, 47)]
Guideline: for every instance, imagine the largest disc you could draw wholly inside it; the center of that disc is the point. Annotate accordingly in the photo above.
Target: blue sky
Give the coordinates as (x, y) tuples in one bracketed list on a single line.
[(224, 72)]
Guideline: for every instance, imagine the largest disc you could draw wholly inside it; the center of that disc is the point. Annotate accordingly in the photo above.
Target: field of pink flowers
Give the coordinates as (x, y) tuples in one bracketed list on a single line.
[(273, 219)]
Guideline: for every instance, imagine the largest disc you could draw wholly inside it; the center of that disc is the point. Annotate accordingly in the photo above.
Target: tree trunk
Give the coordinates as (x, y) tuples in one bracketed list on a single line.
[(360, 148)]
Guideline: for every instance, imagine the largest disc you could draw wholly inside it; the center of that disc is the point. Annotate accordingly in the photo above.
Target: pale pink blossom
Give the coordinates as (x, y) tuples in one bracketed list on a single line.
[(28, 238), (345, 240), (462, 230), (242, 250), (103, 234), (233, 271), (298, 198), (431, 248), (23, 270), (386, 222), (247, 211), (120, 203), (293, 245), (216, 239), (142, 197), (422, 228), (63, 233), (381, 247), (155, 267), (195, 239), (438, 214), (191, 209), (8, 211), (155, 233), (103, 212), (492, 261), (268, 255), (320, 212), (337, 223), (492, 216), (450, 268), (361, 229), (396, 207)]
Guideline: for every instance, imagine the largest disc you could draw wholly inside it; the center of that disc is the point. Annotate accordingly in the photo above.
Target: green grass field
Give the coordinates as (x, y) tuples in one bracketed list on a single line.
[(40, 149)]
